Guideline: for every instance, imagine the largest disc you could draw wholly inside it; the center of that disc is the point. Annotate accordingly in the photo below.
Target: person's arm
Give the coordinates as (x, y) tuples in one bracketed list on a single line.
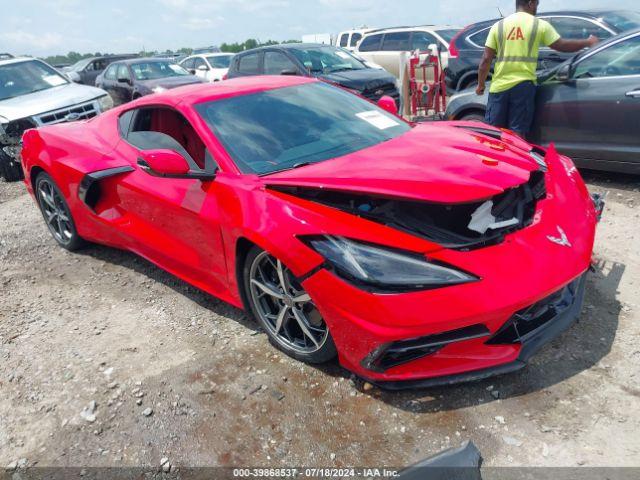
[(570, 46), (484, 69)]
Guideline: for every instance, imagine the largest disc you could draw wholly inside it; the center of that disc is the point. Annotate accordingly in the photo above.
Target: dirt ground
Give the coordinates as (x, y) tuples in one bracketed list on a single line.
[(176, 374)]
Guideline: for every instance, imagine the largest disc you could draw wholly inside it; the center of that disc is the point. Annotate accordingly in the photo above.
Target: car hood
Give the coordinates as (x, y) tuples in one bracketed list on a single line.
[(47, 100), (365, 79), (170, 82), (441, 163)]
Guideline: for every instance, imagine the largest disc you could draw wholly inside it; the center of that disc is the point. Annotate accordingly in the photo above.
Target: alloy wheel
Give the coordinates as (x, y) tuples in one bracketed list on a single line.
[(284, 307), (55, 211)]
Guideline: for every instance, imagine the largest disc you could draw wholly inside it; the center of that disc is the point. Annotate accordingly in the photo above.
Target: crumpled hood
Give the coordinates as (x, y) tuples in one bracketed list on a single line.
[(435, 162), (170, 82), (47, 100), (365, 79)]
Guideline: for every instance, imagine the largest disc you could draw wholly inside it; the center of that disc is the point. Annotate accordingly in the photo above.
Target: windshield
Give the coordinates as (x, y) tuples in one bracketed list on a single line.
[(79, 66), (327, 59), (622, 21), (291, 127), (448, 34), (154, 70), (220, 61), (22, 78)]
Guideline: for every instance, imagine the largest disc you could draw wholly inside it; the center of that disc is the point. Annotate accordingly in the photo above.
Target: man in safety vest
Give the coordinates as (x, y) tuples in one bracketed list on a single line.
[(514, 43)]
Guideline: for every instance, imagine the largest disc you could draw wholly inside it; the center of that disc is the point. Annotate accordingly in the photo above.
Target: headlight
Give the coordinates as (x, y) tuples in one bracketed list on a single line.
[(158, 89), (383, 268), (105, 102)]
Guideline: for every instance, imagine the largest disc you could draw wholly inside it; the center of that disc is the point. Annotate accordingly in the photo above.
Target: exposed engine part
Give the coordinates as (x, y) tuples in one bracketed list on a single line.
[(447, 225)]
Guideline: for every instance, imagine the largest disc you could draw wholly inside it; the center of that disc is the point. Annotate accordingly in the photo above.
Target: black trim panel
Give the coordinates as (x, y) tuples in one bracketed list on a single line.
[(86, 190)]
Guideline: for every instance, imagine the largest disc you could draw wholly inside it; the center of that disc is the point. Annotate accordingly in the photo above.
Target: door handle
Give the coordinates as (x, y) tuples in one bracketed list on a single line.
[(633, 93)]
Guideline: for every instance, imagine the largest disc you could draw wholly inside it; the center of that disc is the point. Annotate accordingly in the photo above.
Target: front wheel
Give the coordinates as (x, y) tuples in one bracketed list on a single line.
[(476, 116), (285, 310), (56, 213)]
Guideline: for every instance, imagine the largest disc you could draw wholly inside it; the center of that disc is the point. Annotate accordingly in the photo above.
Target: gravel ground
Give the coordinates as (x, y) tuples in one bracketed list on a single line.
[(108, 361)]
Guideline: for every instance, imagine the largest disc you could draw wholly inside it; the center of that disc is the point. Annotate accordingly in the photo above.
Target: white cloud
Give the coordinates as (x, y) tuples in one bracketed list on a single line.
[(20, 40)]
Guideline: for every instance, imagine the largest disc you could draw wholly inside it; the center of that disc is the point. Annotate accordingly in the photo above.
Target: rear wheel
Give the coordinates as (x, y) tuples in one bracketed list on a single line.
[(10, 169), (285, 310), (56, 213)]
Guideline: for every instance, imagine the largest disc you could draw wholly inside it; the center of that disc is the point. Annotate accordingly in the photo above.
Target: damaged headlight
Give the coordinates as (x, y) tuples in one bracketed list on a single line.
[(105, 102), (383, 268)]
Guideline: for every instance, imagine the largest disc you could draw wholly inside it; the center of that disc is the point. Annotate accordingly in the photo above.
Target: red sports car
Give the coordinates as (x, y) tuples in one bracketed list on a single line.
[(419, 254)]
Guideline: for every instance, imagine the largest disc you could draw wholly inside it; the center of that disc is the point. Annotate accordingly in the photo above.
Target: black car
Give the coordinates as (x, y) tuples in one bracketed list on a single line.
[(589, 106), (87, 70), (130, 79), (466, 49), (331, 64)]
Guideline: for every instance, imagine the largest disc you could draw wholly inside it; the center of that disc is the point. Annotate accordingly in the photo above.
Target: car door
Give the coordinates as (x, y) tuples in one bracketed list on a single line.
[(369, 46), (569, 27), (108, 82), (594, 116), (174, 222), (200, 68), (94, 69), (392, 45), (123, 87)]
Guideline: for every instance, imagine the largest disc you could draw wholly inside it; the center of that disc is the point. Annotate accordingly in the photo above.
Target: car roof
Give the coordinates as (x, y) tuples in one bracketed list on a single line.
[(287, 46), (129, 61), (591, 14), (9, 61), (415, 28), (207, 92)]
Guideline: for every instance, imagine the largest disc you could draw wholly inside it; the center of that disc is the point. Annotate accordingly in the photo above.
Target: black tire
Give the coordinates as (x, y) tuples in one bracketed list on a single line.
[(10, 169), (323, 348), (56, 213), (477, 116)]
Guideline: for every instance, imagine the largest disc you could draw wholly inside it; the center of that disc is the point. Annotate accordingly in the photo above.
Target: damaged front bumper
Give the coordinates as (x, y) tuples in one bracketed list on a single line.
[(531, 331)]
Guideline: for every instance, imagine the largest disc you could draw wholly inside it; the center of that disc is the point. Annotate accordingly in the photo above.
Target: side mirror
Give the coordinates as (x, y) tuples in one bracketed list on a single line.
[(203, 68), (564, 73), (388, 104), (433, 49), (169, 164), (124, 80)]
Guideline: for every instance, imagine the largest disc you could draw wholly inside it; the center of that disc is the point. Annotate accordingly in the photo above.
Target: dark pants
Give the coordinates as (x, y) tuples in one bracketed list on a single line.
[(513, 108)]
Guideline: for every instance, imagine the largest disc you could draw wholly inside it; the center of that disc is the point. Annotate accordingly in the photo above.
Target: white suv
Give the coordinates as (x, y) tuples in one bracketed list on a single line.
[(209, 66), (385, 47), (33, 94), (349, 39)]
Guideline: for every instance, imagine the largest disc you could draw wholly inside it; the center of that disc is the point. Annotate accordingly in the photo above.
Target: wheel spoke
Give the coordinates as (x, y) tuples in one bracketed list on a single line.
[(281, 317), (48, 200), (267, 289), (303, 326), (281, 277), (302, 298)]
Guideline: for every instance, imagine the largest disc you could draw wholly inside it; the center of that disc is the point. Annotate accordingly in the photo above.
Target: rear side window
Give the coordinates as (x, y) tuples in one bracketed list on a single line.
[(277, 62), (577, 28), (370, 43), (396, 42), (249, 64), (123, 72), (344, 39), (355, 38), (422, 40), (110, 74), (480, 38)]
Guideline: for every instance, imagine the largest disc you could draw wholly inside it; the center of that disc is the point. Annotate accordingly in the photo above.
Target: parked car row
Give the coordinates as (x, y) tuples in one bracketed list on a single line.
[(33, 94), (588, 106)]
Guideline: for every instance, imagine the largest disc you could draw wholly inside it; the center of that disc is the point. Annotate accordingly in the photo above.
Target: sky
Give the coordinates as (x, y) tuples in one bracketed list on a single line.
[(48, 27)]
